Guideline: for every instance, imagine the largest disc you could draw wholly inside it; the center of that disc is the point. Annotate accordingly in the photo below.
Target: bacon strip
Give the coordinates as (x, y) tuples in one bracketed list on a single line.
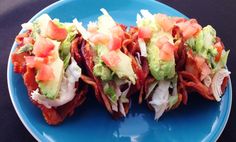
[(131, 47), (88, 57), (18, 61), (53, 116)]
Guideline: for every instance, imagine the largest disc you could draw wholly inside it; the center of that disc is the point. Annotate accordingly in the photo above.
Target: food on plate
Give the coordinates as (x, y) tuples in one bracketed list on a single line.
[(154, 46), (112, 70), (182, 58), (47, 58), (161, 58)]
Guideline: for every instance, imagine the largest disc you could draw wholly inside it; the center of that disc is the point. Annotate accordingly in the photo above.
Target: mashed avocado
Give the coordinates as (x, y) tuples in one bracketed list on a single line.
[(159, 69), (100, 69)]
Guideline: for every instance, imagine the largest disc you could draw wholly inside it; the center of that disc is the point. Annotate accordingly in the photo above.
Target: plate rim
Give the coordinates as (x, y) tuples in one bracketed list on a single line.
[(34, 132)]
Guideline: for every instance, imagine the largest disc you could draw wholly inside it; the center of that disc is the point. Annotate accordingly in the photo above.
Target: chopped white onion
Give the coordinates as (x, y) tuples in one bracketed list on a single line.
[(43, 22), (217, 82), (81, 29), (143, 47)]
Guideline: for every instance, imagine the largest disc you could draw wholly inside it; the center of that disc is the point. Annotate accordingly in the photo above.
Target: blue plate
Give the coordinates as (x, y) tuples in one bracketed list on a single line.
[(200, 120)]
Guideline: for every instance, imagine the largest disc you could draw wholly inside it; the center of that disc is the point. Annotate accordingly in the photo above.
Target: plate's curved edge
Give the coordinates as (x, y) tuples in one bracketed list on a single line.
[(25, 123), (38, 137), (226, 118)]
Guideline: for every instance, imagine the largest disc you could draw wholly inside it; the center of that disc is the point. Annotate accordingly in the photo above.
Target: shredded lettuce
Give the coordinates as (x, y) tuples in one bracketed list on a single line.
[(203, 44), (105, 22), (110, 92), (66, 44), (39, 26), (147, 19), (25, 48), (172, 101), (67, 89), (222, 63), (160, 98), (143, 47)]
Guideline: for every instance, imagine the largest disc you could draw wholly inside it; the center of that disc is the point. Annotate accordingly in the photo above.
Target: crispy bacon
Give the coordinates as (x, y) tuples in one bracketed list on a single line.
[(99, 93), (18, 61), (180, 57), (88, 55), (52, 115), (131, 47), (193, 84), (75, 49)]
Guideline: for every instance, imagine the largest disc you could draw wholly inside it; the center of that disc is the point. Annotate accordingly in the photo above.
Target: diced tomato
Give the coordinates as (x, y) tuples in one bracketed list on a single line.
[(117, 31), (99, 38), (35, 62), (56, 33), (115, 43), (111, 59), (29, 61), (165, 22), (43, 47), (145, 33), (219, 48), (167, 52), (45, 73), (20, 38), (189, 28), (162, 41), (28, 40)]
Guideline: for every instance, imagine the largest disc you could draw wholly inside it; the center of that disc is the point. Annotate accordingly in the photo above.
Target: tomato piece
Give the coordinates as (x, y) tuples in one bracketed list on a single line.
[(145, 33), (162, 41), (20, 38), (54, 32), (115, 43), (35, 62), (219, 48), (28, 40), (189, 28), (43, 47), (117, 31), (167, 52), (165, 22), (111, 59), (99, 38), (45, 73)]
